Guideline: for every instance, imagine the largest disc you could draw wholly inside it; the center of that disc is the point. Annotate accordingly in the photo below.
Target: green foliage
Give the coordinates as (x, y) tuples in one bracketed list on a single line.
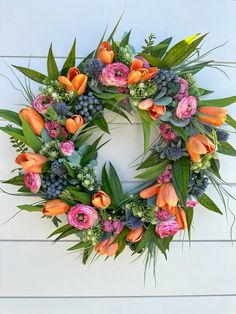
[(151, 160), (53, 72), (18, 145), (149, 42), (31, 208), (70, 60), (160, 49), (154, 61), (208, 203), (82, 197), (125, 40), (153, 172), (101, 122), (14, 132), (230, 121), (226, 149), (32, 74), (17, 180), (221, 102), (147, 236), (32, 139), (10, 116), (180, 178)]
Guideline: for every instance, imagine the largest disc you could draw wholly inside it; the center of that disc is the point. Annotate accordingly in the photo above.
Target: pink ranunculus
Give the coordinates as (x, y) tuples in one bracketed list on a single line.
[(42, 102), (146, 64), (166, 132), (32, 181), (53, 128), (191, 201), (165, 177), (167, 228), (67, 147), (117, 226), (163, 215), (187, 107), (115, 74), (82, 216), (107, 225), (183, 89)]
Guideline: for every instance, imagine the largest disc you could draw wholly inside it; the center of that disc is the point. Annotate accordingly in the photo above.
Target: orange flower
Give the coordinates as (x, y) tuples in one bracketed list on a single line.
[(101, 200), (33, 118), (31, 162), (212, 115), (55, 207), (138, 73), (74, 81), (198, 145), (135, 235), (155, 111), (167, 196), (105, 53), (180, 216), (107, 247), (74, 123), (150, 192)]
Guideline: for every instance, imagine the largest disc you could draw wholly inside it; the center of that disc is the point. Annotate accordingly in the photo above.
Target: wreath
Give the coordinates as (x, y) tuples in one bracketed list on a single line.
[(58, 162)]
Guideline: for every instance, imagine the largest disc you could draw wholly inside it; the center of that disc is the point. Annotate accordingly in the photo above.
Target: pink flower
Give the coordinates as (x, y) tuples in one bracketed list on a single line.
[(117, 226), (107, 225), (67, 147), (191, 202), (42, 102), (167, 228), (53, 128), (187, 107), (32, 181), (163, 215), (183, 89), (82, 216), (145, 65), (114, 74), (165, 177), (166, 132)]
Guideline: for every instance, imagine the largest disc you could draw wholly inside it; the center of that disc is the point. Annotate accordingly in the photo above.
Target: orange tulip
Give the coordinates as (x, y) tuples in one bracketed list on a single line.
[(135, 235), (55, 207), (33, 118), (107, 247), (198, 145), (31, 162), (150, 192), (138, 73), (167, 196), (74, 123), (105, 53), (155, 111), (74, 81), (181, 219), (101, 200), (212, 115)]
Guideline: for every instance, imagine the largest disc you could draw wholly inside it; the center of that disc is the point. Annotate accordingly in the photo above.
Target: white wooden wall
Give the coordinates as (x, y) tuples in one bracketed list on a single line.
[(38, 277)]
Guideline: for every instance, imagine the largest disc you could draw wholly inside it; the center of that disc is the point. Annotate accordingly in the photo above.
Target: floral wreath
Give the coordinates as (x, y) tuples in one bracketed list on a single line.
[(58, 162)]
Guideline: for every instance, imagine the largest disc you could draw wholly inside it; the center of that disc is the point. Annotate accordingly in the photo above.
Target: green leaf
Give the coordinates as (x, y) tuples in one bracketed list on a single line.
[(159, 50), (121, 235), (82, 197), (14, 132), (112, 106), (91, 153), (176, 53), (53, 72), (164, 101), (62, 229), (180, 132), (17, 180), (87, 252), (106, 182), (226, 149), (116, 187), (146, 133), (154, 61), (32, 74), (10, 116), (189, 215), (32, 139), (31, 208), (78, 246), (194, 68), (125, 40), (115, 28), (153, 172), (221, 102), (70, 60), (147, 236), (205, 201), (101, 123), (230, 121), (151, 160), (180, 178), (63, 235)]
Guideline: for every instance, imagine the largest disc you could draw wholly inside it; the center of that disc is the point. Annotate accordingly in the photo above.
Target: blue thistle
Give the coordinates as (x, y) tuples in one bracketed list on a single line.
[(174, 153), (222, 136), (134, 222), (61, 109), (94, 68), (58, 168)]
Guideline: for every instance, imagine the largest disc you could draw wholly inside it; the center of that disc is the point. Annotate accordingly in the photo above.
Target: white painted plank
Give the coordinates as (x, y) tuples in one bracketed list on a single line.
[(193, 305), (40, 269)]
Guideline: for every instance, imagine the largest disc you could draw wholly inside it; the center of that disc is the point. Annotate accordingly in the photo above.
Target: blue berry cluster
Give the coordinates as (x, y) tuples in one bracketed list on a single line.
[(58, 168), (163, 80), (53, 186), (88, 106), (197, 184)]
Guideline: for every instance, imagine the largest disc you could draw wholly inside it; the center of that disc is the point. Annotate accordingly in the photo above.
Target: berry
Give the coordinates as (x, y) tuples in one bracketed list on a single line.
[(53, 186), (165, 80), (89, 106), (58, 168)]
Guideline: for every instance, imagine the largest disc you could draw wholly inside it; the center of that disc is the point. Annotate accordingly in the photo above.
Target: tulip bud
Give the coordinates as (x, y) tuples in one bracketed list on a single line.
[(101, 200), (135, 235), (31, 162), (33, 118), (55, 207), (105, 53), (74, 123)]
